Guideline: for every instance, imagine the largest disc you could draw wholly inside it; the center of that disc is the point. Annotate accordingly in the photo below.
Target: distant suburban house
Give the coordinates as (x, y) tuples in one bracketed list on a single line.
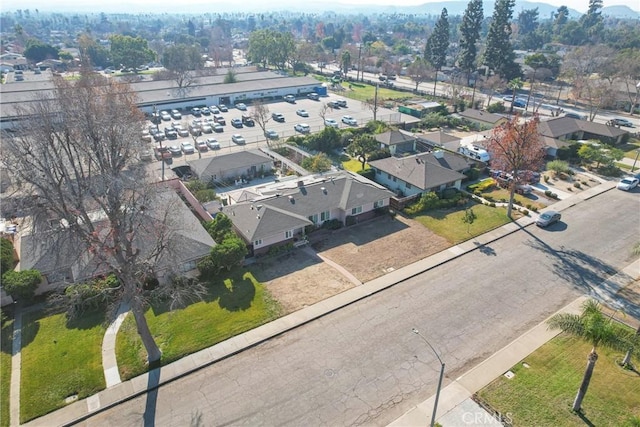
[(421, 173), (397, 141), (62, 258), (232, 167), (282, 214), (568, 129), (13, 61), (482, 118), (420, 109)]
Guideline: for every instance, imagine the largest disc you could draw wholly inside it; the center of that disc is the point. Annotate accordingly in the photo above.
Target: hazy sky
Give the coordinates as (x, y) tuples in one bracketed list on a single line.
[(193, 6)]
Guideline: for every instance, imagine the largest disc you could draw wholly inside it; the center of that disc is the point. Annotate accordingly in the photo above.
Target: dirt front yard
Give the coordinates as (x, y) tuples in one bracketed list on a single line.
[(366, 250)]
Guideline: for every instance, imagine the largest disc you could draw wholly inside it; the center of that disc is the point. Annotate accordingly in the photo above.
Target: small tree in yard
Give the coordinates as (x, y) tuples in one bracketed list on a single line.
[(469, 218), (261, 116), (318, 163), (558, 167), (516, 147), (598, 330), (361, 147), (21, 284)]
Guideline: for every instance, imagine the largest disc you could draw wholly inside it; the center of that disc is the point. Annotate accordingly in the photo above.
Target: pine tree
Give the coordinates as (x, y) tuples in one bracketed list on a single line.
[(469, 36), (592, 21), (437, 45), (499, 55)]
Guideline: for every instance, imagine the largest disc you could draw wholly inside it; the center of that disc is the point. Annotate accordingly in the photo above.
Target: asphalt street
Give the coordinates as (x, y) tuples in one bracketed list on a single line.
[(362, 365)]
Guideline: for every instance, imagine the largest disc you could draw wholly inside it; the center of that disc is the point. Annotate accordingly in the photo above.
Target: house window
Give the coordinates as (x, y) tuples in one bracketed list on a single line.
[(378, 204), (378, 172), (388, 176), (313, 218), (408, 185), (257, 242), (188, 266), (356, 211), (325, 216), (288, 234), (395, 179)]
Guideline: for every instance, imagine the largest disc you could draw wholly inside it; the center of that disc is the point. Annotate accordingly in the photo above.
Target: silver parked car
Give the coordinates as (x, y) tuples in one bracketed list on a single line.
[(548, 218)]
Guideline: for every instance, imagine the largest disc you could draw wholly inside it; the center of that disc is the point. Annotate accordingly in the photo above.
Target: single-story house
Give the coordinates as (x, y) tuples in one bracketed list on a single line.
[(421, 173), (567, 129), (482, 118), (282, 216), (397, 141), (62, 258), (420, 109), (439, 138), (232, 167)]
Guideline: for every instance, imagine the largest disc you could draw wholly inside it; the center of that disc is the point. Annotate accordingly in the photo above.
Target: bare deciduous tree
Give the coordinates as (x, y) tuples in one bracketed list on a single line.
[(261, 115), (75, 156)]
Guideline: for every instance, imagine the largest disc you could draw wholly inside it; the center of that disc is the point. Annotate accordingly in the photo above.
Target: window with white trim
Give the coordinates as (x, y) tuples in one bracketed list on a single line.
[(325, 216), (313, 218), (288, 234), (378, 204), (257, 242), (356, 211)]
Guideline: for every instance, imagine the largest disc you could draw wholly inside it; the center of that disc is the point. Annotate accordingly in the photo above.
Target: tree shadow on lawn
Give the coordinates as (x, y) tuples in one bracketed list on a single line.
[(234, 293), (361, 233)]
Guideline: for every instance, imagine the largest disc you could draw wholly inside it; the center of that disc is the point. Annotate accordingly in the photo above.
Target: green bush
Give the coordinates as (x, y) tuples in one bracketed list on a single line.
[(350, 220), (92, 295), (429, 201), (6, 255), (472, 174), (484, 185), (525, 212), (576, 184), (21, 284), (546, 178), (559, 167), (497, 107), (332, 224)]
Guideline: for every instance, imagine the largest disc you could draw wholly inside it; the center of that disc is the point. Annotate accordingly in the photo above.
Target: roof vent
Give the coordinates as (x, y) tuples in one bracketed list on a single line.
[(259, 207), (258, 216), (324, 190)]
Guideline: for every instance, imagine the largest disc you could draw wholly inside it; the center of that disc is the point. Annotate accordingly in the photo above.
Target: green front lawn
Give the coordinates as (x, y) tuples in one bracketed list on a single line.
[(353, 165), (448, 223), (542, 394), (234, 305), (498, 194), (58, 361), (6, 343)]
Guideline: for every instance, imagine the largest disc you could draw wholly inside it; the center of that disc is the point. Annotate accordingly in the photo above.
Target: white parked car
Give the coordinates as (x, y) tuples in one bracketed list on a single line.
[(213, 144), (241, 106), (302, 113), (348, 120), (187, 148), (628, 183), (302, 128), (331, 123), (238, 139)]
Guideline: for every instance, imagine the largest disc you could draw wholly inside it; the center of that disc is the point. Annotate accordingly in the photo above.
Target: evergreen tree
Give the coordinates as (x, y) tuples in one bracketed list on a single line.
[(560, 18), (499, 55), (437, 45), (592, 21), (469, 36)]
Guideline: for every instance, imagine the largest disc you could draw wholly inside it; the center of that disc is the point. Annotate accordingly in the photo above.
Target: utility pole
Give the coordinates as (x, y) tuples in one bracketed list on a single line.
[(375, 103)]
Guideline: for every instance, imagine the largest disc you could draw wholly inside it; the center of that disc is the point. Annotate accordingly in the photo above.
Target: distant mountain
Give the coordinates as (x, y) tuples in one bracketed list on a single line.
[(620, 12)]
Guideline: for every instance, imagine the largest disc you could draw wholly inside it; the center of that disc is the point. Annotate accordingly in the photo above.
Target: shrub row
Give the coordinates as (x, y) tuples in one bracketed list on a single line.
[(431, 200), (481, 186), (551, 194)]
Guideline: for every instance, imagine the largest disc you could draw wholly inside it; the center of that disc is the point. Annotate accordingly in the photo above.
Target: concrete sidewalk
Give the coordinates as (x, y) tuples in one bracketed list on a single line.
[(456, 408), (126, 390)]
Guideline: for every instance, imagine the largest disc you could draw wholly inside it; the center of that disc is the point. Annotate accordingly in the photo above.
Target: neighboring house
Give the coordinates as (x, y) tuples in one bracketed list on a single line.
[(64, 259), (568, 129), (232, 167), (282, 216), (397, 141), (482, 118), (421, 173), (13, 61), (439, 139)]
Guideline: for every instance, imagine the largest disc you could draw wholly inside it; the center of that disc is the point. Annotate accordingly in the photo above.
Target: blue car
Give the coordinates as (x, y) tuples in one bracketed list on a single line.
[(520, 103)]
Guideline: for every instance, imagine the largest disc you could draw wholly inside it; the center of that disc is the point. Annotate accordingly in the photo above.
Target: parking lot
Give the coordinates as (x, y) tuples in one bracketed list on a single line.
[(253, 135)]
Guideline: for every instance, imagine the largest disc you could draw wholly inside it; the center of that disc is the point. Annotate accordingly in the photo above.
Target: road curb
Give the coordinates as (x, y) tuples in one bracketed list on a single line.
[(106, 399)]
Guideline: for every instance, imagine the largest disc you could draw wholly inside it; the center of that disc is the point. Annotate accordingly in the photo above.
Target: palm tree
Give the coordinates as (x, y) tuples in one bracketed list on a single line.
[(596, 328)]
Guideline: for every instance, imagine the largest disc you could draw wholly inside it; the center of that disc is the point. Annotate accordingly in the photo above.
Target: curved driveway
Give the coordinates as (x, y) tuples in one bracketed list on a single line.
[(362, 365)]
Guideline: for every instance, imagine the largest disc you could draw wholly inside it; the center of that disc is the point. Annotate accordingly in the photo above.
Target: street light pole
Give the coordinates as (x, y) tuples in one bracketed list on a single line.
[(435, 404)]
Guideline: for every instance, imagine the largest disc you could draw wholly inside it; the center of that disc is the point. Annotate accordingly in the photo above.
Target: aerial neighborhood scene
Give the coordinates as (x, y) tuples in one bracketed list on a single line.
[(320, 214)]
